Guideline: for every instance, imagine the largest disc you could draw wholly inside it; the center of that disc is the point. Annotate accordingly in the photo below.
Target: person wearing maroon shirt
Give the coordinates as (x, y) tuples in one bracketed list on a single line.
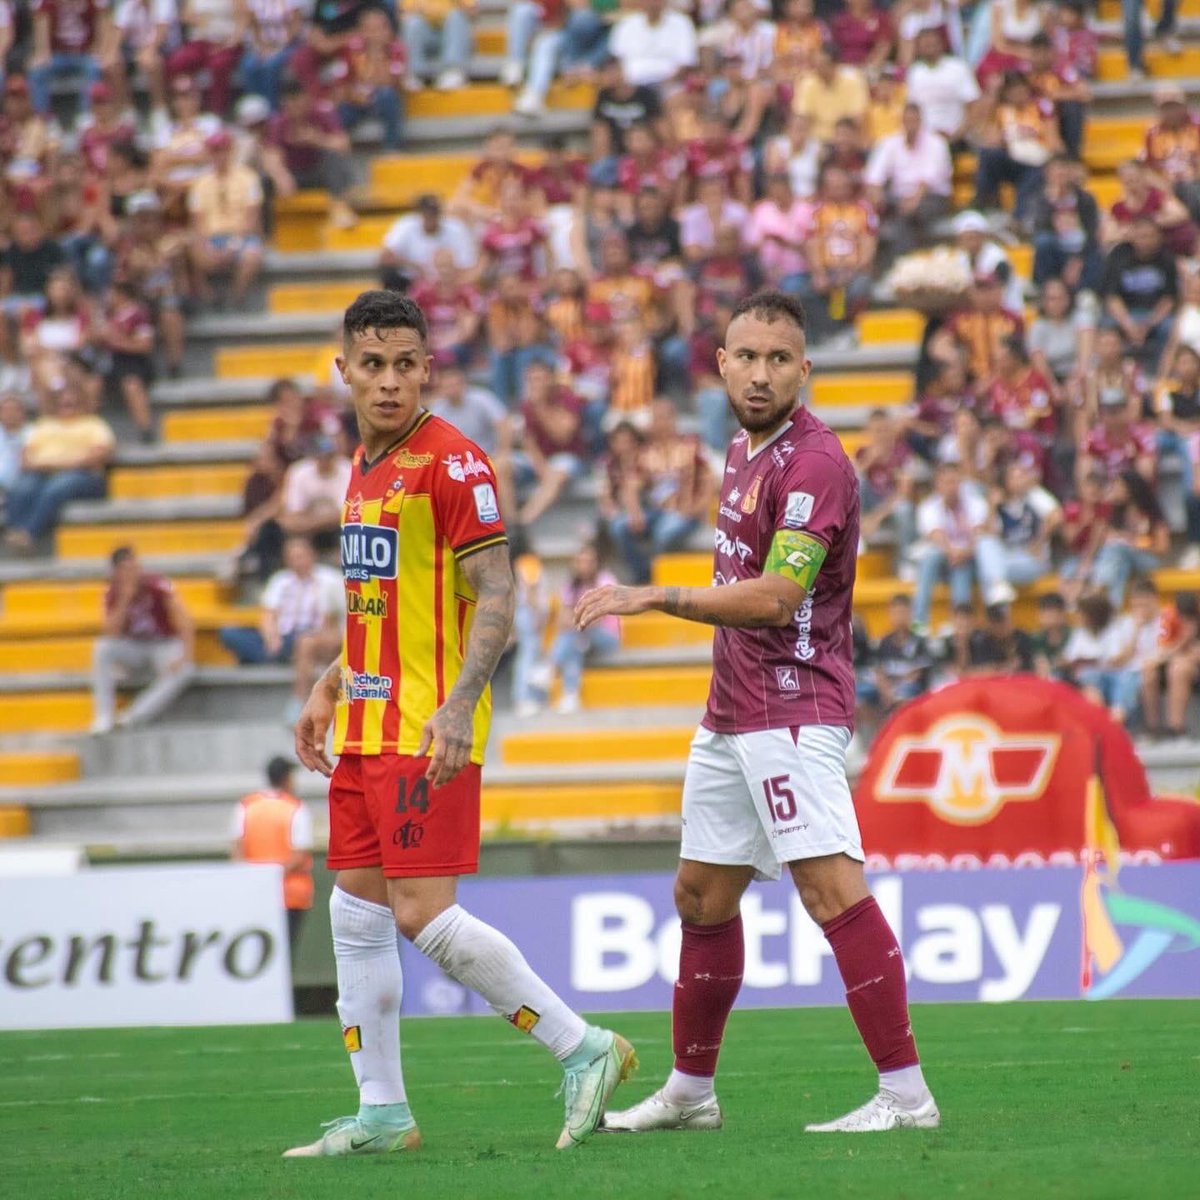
[(453, 311), (885, 481), (863, 34), (559, 178), (1116, 444), (315, 147), (554, 448), (648, 165), (107, 126), (146, 630), (766, 776), (1020, 395), (69, 37), (716, 154), (514, 243), (369, 72)]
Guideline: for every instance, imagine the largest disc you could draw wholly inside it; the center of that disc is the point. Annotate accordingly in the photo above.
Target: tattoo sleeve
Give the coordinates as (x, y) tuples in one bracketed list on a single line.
[(331, 679), (489, 572)]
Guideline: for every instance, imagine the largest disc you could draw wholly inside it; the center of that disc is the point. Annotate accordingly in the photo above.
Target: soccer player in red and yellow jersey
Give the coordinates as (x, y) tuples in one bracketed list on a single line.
[(429, 608)]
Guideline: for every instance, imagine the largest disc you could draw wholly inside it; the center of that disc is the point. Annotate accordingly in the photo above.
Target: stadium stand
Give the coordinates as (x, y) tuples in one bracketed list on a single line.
[(518, 174)]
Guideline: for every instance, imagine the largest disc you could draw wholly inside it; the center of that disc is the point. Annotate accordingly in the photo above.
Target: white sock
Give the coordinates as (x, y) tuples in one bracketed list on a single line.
[(681, 1088), (907, 1086), (369, 989), (484, 960)]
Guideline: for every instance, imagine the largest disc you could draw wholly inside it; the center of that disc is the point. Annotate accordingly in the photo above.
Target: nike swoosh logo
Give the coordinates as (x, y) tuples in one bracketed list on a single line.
[(365, 1142)]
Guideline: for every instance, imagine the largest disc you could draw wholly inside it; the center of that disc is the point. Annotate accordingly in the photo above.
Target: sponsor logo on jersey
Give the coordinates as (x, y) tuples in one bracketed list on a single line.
[(362, 685), (781, 452), (406, 458), (358, 605), (805, 650), (486, 505), (966, 768), (733, 497), (799, 509), (750, 500), (464, 468), (369, 552), (731, 547), (788, 679)]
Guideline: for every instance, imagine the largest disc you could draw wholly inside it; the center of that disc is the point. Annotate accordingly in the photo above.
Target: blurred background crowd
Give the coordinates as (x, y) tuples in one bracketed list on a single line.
[(576, 295)]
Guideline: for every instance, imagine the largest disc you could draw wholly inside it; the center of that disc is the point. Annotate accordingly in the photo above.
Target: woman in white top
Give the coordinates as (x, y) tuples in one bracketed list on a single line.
[(796, 154), (1014, 24), (1103, 655)]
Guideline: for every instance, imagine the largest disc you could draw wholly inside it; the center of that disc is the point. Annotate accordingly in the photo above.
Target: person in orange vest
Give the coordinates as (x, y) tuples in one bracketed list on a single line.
[(272, 826)]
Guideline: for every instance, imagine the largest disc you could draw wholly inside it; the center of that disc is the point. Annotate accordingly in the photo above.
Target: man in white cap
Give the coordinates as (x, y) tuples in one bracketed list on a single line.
[(984, 256)]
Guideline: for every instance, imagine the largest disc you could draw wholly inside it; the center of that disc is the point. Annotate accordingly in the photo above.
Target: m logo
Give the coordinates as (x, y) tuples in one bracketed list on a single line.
[(966, 768)]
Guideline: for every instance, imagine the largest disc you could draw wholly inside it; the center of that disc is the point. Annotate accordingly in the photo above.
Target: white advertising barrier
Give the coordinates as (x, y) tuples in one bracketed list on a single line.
[(188, 945)]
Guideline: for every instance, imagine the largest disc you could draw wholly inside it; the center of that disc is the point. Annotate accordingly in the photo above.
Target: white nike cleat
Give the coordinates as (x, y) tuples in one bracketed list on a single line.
[(589, 1088), (880, 1114), (657, 1112), (349, 1135)]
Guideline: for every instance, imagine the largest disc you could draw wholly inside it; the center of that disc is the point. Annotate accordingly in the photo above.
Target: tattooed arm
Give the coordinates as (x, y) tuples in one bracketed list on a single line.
[(316, 718), (451, 730), (768, 601)]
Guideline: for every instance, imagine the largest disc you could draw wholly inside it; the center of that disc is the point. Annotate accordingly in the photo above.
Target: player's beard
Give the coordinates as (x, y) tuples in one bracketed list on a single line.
[(766, 420)]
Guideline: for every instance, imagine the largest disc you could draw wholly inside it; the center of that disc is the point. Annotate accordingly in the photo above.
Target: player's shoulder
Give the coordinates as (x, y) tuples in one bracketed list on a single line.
[(816, 443), (454, 455)]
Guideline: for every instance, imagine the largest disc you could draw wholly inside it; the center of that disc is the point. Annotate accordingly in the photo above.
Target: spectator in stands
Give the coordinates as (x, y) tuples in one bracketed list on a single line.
[(25, 269), (864, 34), (315, 148), (572, 648), (1020, 395), (69, 38), (514, 242), (1050, 639), (272, 826), (146, 630), (410, 244), (261, 553), (146, 32), (1173, 667), (14, 433), (180, 142), (126, 333), (212, 48), (1172, 146), (1185, 331), (999, 647), (675, 495), (901, 660), (951, 524), (1021, 138), (841, 254), (1056, 80), (1177, 412), (516, 338), (620, 108), (305, 597), (59, 336), (64, 459), (633, 370), (7, 35), (1026, 517), (1140, 288), (313, 491), (453, 311), (1131, 645), (439, 40), (778, 229), (104, 127), (1062, 338), (253, 115), (472, 410), (530, 676), (1136, 538), (273, 33), (1141, 198), (573, 38), (327, 30), (1065, 223), (944, 87), (1085, 519), (1093, 645), (978, 331), (931, 418), (369, 77), (653, 44), (981, 254), (885, 482), (554, 449), (225, 204), (830, 92), (908, 181)]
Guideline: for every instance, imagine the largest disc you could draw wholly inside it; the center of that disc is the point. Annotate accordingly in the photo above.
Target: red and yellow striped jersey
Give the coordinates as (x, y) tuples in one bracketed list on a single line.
[(409, 519)]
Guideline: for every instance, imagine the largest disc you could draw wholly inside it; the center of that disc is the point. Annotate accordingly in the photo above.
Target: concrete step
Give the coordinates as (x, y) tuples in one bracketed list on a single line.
[(139, 511), (93, 567), (230, 450), (26, 657)]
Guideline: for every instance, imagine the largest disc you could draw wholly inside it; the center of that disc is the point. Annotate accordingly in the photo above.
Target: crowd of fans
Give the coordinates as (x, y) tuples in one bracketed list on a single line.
[(576, 294)]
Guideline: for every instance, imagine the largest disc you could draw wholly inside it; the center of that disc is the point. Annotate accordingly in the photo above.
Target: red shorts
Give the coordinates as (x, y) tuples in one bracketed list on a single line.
[(383, 812)]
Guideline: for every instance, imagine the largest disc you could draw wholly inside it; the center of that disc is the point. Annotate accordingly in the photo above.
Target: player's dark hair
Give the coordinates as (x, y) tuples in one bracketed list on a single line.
[(279, 771), (121, 554), (770, 305), (1052, 602), (382, 310)]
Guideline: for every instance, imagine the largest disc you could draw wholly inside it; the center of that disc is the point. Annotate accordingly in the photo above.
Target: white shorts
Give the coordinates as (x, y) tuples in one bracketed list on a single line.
[(762, 799)]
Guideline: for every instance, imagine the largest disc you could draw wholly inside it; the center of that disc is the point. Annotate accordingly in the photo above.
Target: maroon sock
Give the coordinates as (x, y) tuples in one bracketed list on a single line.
[(872, 969), (711, 961)]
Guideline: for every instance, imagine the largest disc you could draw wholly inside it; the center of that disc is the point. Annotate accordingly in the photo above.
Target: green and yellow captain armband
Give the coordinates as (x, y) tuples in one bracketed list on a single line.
[(795, 556)]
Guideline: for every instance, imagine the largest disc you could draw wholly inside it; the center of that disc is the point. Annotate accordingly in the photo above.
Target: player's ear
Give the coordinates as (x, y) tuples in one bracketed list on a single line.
[(721, 360), (427, 367), (341, 364)]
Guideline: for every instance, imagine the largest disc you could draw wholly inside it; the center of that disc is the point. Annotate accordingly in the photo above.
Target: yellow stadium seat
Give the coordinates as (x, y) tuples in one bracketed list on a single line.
[(596, 745), (37, 768), (200, 479), (316, 297), (514, 807), (217, 424), (181, 537)]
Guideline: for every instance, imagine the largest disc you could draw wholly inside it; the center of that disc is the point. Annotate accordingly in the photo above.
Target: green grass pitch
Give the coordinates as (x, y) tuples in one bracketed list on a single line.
[(1038, 1100)]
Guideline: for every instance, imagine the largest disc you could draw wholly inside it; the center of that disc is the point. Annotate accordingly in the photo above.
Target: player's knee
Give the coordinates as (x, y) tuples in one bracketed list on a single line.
[(700, 905), (819, 901), (412, 914)]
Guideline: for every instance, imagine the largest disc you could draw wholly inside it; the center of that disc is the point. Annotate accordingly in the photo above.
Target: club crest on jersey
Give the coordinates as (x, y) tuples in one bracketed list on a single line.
[(799, 509), (369, 552), (354, 510), (358, 605), (463, 468), (750, 500), (788, 679)]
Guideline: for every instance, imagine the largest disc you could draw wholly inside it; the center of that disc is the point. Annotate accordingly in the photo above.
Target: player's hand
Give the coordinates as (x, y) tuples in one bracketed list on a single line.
[(609, 601), (451, 732), (311, 729)]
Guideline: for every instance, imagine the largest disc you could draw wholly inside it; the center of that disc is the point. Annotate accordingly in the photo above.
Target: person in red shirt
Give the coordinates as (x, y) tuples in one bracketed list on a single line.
[(863, 34), (368, 73), (453, 311), (554, 449), (1082, 531), (559, 178), (477, 197), (1172, 146), (1117, 444), (885, 482), (646, 165), (106, 127), (146, 628), (1140, 197), (127, 332), (69, 38), (514, 243), (715, 154), (932, 416), (1055, 79), (1020, 395), (315, 147), (976, 330)]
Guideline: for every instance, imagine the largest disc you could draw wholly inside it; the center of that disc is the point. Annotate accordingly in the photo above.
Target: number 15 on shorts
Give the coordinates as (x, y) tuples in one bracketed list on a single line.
[(780, 799)]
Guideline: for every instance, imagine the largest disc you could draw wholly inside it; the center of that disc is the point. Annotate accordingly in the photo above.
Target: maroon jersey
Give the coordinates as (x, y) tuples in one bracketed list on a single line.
[(727, 159), (802, 674), (515, 250), (148, 616), (660, 172), (95, 143), (72, 23), (1117, 454), (443, 308)]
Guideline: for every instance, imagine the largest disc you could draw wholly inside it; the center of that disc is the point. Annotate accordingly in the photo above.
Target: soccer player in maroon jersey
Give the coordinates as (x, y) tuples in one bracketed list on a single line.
[(766, 776)]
